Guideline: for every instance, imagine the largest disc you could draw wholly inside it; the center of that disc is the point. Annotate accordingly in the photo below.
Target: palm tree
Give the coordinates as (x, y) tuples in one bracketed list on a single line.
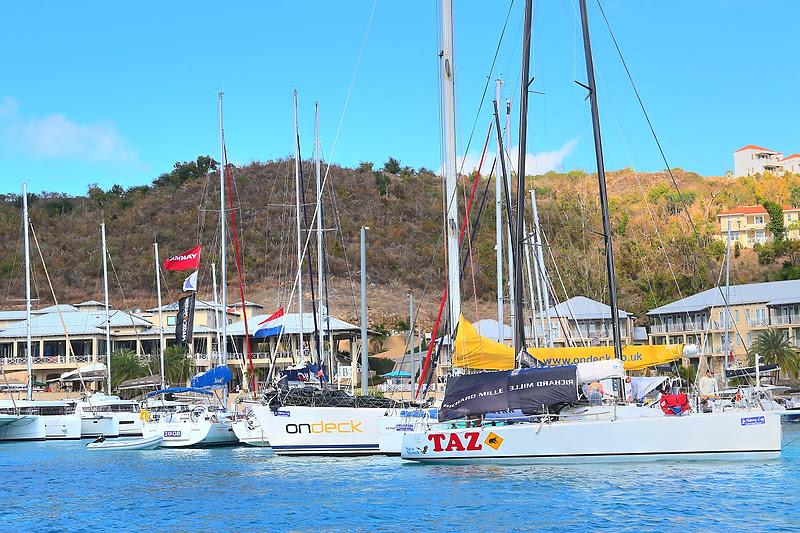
[(125, 365), (775, 349), (178, 367)]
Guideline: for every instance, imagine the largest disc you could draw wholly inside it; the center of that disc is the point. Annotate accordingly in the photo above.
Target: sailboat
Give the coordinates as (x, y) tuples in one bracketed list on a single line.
[(544, 434), (35, 419)]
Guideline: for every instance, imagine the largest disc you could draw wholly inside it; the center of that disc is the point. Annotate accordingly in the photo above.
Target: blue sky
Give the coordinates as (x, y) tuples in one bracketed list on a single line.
[(104, 92)]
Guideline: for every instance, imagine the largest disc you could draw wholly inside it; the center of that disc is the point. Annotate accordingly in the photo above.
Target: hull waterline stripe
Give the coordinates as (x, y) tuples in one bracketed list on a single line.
[(718, 452)]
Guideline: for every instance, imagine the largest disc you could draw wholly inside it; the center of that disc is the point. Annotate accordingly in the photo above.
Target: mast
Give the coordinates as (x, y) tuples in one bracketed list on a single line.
[(108, 316), (411, 332), (544, 289), (299, 230), (498, 224), (320, 273), (450, 171), (509, 235), (364, 352), (222, 242), (726, 325), (601, 178), (28, 343), (160, 318), (519, 344), (216, 305)]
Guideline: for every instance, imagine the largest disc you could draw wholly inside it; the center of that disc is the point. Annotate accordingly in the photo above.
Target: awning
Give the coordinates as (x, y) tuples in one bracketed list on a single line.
[(397, 374), (91, 372), (141, 383), (750, 371)]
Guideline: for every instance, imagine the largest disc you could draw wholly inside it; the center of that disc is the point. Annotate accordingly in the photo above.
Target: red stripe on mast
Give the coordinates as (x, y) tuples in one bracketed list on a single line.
[(239, 272), (460, 239)]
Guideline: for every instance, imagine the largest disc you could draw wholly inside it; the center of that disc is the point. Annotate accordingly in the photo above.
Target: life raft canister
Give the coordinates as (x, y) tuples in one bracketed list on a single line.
[(674, 404)]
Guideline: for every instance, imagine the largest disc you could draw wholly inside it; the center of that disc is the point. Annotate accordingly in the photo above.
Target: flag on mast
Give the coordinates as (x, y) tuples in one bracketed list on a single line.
[(272, 325), (185, 261), (190, 283)]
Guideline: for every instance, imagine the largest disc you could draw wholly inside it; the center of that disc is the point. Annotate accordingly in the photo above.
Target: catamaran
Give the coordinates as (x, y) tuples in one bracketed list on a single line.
[(553, 425)]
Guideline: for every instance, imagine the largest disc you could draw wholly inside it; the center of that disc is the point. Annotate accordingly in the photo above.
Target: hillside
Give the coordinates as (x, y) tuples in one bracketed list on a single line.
[(658, 258)]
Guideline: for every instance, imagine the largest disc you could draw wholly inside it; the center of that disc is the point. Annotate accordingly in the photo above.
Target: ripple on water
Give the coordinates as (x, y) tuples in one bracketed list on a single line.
[(60, 486)]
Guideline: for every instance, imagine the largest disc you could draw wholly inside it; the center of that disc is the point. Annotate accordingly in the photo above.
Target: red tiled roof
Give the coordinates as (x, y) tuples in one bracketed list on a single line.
[(793, 156), (754, 147), (753, 210)]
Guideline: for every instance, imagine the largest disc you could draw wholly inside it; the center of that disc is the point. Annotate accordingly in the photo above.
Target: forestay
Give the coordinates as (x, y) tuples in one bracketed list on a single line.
[(529, 390)]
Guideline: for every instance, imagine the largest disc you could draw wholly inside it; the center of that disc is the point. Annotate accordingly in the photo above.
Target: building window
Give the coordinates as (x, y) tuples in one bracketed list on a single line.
[(758, 219), (171, 320)]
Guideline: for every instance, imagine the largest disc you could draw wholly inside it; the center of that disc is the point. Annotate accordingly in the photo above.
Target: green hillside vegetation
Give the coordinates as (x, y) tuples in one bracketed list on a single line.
[(658, 257)]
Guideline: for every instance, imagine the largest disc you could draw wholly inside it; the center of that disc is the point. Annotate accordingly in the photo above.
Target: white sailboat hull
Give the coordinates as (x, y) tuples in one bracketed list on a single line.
[(22, 427), (723, 436), (301, 430), (62, 427), (250, 432), (185, 433), (94, 426)]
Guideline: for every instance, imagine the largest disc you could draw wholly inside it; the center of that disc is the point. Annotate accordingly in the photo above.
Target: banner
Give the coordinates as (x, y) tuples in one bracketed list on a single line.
[(633, 357), (184, 261), (184, 322), (528, 390), (190, 283)]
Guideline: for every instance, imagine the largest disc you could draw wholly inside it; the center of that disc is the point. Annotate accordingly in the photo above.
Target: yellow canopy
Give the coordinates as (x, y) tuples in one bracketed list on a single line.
[(471, 350)]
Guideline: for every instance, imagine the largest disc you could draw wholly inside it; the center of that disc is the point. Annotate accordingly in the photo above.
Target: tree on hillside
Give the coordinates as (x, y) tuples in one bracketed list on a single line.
[(185, 171), (775, 349), (392, 166), (775, 225)]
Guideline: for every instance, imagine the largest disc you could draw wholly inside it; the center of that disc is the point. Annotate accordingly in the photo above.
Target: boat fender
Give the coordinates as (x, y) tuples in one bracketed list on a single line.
[(144, 415)]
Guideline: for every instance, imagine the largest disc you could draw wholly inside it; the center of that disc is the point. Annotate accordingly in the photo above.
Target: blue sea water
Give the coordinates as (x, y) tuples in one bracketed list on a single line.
[(60, 486)]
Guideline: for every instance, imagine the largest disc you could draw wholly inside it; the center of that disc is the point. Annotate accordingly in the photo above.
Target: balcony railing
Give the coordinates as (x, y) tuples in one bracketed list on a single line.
[(757, 322), (47, 360), (783, 320)]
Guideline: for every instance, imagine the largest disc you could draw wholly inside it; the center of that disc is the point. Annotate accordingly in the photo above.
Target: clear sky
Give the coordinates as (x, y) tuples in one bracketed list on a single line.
[(109, 92)]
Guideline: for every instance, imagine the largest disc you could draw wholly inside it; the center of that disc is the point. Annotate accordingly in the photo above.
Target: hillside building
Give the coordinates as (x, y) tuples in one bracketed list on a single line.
[(752, 159), (748, 224), (753, 308)]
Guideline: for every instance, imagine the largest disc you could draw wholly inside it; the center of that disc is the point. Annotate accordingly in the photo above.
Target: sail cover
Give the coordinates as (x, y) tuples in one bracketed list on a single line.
[(216, 377), (528, 389)]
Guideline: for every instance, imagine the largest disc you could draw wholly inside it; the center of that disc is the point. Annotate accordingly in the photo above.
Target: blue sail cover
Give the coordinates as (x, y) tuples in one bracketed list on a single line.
[(528, 390), (176, 390), (211, 379)]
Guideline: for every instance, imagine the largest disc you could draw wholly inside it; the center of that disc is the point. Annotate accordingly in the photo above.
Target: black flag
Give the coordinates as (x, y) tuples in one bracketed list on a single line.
[(184, 322)]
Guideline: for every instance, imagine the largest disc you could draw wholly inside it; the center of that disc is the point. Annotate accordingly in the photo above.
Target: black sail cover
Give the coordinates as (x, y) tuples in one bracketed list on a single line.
[(526, 389), (184, 321)]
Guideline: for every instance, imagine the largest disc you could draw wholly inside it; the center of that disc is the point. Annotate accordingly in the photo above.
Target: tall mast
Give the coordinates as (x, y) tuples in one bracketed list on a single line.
[(726, 324), (320, 273), (498, 224), (601, 178), (411, 333), (222, 240), (160, 318), (364, 342), (108, 315), (510, 240), (28, 343), (297, 186), (519, 345), (544, 288), (451, 179), (216, 305)]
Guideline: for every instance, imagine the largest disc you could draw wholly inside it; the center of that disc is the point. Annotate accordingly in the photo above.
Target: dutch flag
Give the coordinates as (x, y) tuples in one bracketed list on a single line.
[(271, 326)]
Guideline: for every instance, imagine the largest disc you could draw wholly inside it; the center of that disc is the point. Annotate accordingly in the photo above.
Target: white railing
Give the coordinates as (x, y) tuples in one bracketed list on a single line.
[(784, 320), (757, 322), (47, 360)]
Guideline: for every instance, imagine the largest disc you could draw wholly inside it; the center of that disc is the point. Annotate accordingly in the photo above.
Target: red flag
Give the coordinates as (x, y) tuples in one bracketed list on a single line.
[(184, 261), (277, 314)]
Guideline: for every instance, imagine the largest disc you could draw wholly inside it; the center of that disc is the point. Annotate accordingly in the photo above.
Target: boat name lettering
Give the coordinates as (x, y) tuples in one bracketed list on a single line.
[(454, 442), (281, 413), (172, 434), (404, 427), (325, 427), (753, 420)]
